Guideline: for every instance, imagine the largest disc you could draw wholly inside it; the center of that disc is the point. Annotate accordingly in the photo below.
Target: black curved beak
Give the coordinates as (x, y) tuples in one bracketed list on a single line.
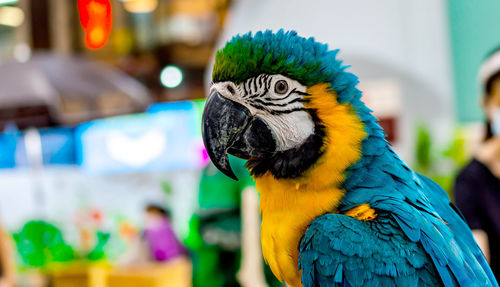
[(229, 127), (222, 121)]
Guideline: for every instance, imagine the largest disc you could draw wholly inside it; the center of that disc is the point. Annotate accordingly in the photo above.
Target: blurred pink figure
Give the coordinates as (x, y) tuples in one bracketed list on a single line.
[(159, 235)]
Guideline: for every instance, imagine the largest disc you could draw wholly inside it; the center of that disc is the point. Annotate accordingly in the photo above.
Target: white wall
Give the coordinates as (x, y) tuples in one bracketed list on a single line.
[(402, 40)]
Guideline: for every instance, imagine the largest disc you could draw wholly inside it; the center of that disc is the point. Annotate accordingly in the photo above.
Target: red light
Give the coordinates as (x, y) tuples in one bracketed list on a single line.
[(96, 20)]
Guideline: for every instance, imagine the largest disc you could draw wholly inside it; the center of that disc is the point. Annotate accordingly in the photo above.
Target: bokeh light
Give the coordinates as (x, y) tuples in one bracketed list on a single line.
[(171, 76), (22, 52), (140, 6), (96, 20)]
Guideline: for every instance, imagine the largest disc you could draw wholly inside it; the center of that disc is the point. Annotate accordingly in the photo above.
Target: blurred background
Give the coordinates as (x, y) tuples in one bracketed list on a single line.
[(100, 111)]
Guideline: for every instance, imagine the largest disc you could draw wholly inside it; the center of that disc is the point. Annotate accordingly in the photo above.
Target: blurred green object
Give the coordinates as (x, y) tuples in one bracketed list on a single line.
[(166, 187), (423, 148), (217, 191), (214, 237), (441, 165), (98, 253), (193, 240), (40, 243), (214, 267), (215, 231), (456, 150)]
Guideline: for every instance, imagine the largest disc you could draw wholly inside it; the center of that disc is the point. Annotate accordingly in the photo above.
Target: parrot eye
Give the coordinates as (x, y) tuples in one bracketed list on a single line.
[(281, 87)]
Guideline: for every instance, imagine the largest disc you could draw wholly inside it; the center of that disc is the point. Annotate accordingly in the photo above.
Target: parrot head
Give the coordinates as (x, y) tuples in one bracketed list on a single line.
[(263, 103)]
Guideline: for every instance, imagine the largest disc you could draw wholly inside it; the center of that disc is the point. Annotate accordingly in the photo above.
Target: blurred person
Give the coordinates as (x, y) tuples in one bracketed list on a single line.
[(158, 242), (477, 187), (7, 270), (160, 236)]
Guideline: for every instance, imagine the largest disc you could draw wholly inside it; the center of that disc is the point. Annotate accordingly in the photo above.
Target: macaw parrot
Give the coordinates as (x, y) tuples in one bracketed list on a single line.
[(338, 206)]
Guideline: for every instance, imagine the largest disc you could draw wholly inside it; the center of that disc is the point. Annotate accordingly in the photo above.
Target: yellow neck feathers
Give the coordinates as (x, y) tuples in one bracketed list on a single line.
[(288, 206)]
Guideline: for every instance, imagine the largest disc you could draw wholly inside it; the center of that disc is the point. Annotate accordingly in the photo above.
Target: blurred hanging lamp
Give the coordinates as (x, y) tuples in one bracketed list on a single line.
[(96, 20), (140, 6)]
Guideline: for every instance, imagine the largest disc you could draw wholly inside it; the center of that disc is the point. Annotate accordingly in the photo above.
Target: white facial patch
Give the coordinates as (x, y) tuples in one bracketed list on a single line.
[(278, 101), (291, 130)]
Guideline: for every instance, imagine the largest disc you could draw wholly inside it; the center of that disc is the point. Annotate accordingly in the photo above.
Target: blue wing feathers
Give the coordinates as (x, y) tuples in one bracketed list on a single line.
[(464, 244), (418, 239), (337, 249)]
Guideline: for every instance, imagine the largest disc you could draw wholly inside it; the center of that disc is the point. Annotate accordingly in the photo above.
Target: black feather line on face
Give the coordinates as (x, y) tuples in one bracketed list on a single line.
[(258, 95), (282, 112), (294, 162), (296, 100), (245, 89)]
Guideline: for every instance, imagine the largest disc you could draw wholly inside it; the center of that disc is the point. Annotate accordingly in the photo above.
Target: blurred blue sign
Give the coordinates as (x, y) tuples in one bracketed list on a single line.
[(165, 139), (8, 143), (57, 147), (173, 106)]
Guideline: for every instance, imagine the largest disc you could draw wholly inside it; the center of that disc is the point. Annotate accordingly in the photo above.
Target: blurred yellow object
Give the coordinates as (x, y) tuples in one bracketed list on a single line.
[(140, 6), (11, 16), (193, 8), (80, 275), (97, 35), (123, 41), (175, 273)]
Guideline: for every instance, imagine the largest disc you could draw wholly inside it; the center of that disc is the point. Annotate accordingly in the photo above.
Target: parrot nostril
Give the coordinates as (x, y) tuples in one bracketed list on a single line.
[(230, 89)]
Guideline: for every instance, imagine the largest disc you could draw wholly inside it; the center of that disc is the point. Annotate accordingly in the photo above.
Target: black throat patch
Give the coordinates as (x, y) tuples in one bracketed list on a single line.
[(294, 162)]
